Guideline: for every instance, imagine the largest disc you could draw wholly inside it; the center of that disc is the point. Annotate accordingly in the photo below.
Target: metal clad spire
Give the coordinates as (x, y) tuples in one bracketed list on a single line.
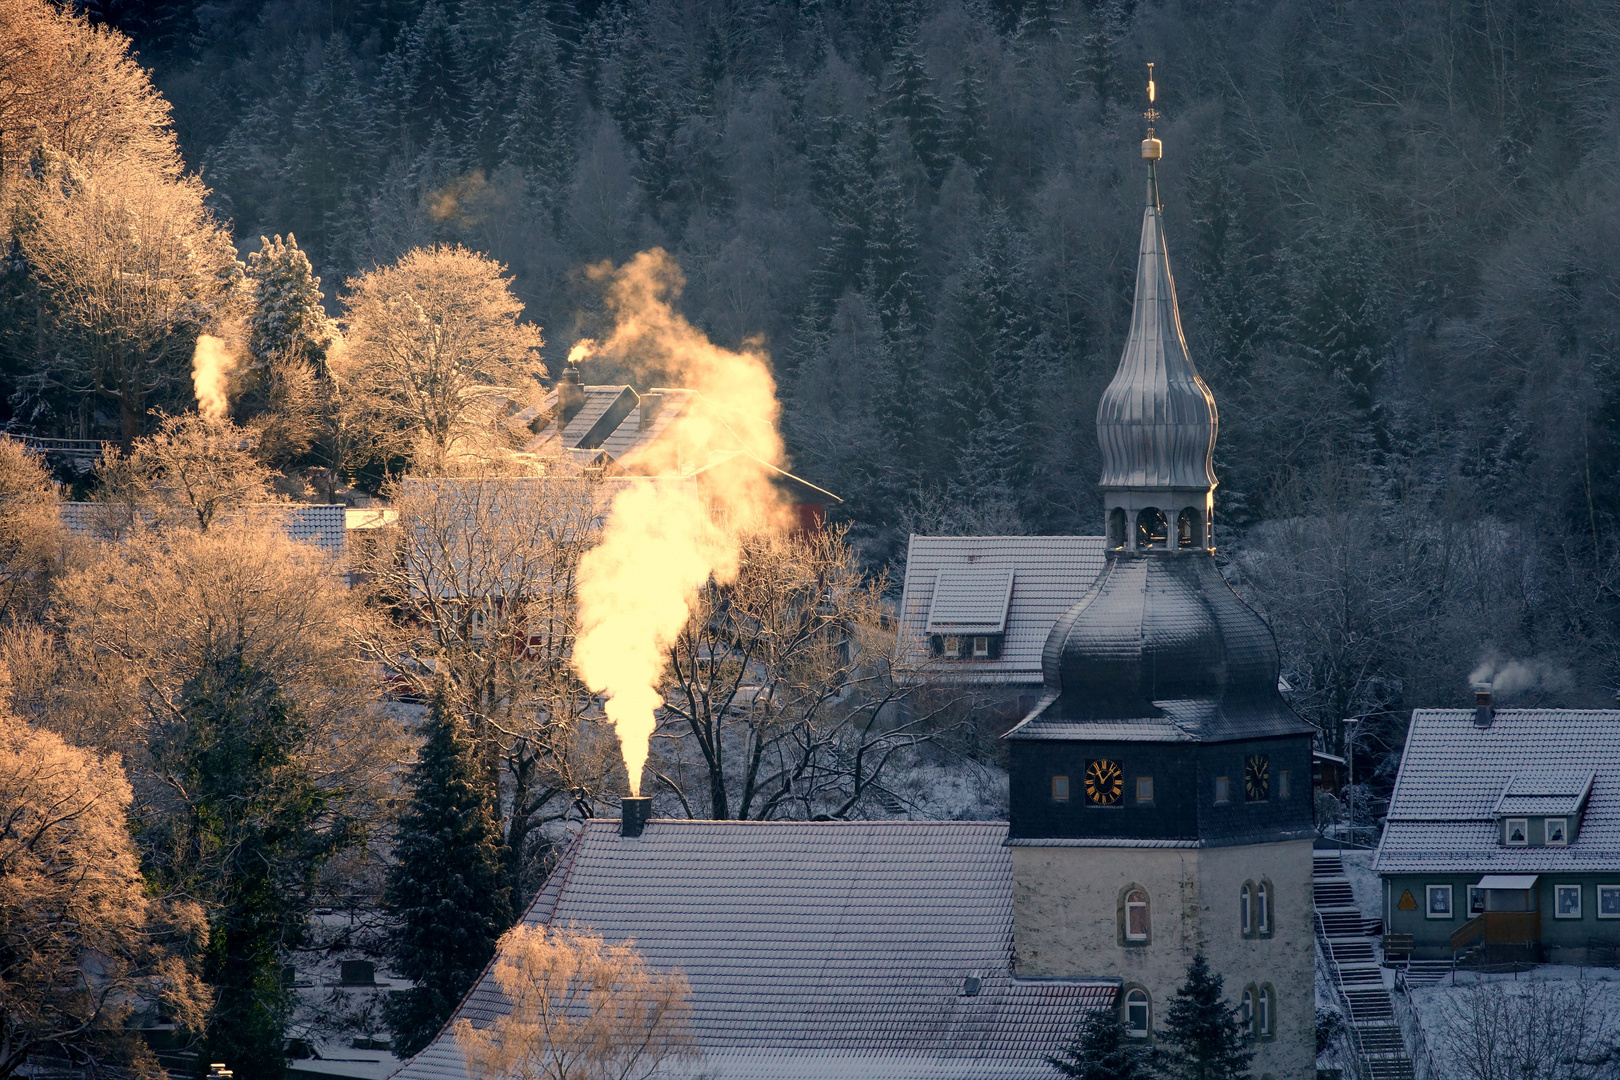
[(1156, 421)]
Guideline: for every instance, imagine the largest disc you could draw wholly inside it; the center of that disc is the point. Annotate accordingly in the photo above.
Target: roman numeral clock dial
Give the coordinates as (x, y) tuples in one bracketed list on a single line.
[(1105, 781)]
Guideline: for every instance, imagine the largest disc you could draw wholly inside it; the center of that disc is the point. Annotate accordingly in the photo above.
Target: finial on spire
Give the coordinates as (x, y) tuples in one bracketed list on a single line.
[(1152, 148)]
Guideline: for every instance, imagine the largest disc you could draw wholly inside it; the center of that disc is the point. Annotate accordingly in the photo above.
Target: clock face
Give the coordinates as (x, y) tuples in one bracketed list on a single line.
[(1105, 781), (1256, 777)]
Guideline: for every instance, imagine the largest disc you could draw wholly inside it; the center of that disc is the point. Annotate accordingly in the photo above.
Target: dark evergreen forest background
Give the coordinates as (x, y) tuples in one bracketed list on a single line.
[(1394, 224)]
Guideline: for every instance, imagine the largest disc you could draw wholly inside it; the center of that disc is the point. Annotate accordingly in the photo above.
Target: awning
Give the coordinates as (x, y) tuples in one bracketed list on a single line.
[(1508, 881)]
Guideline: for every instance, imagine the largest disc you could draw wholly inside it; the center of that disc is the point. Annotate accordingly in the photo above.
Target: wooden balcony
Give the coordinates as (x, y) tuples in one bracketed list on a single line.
[(1498, 928)]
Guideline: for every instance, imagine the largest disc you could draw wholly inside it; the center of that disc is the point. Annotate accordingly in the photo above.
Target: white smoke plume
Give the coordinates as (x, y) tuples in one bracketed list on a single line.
[(211, 366), (663, 539), (1507, 678)]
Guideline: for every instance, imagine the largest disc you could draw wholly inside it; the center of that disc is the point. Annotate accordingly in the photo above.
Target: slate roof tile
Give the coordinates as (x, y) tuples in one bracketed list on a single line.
[(1051, 573), (1454, 772), (817, 949)]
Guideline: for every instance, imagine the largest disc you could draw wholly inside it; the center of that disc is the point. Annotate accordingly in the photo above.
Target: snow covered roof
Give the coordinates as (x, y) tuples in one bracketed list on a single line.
[(971, 601), (321, 525), (1048, 574), (1456, 776), (813, 949)]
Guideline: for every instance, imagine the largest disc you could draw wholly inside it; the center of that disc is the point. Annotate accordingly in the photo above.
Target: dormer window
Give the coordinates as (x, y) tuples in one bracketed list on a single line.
[(1543, 808), (967, 618), (1516, 832), (1556, 834)]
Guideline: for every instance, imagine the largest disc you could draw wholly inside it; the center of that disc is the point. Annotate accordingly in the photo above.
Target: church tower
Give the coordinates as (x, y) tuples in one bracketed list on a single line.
[(1161, 790)]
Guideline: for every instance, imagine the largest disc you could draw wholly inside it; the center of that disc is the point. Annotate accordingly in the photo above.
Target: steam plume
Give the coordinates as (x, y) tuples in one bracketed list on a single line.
[(211, 367), (1509, 677), (665, 538), (582, 350)]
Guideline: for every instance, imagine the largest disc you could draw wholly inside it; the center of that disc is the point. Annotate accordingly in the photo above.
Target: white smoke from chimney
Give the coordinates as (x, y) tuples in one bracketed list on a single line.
[(1505, 678), (211, 366)]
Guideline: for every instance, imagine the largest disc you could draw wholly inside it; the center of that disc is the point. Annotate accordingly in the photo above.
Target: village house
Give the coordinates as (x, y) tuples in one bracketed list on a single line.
[(1503, 836), (1160, 809)]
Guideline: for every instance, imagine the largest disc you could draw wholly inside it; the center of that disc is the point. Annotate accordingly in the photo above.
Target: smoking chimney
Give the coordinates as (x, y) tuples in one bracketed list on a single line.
[(570, 395), (1482, 705), (650, 404), (633, 815)]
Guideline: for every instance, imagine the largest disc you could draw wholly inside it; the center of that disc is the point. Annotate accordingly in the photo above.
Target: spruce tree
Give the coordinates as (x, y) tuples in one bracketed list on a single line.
[(1104, 1050), (448, 886), (1203, 1038), (288, 320), (248, 845)]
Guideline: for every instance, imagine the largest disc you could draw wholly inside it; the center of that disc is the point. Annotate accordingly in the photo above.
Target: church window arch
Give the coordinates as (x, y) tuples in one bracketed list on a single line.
[(1135, 915), (1152, 531), (1265, 1024), (1189, 529), (1246, 1009), (1262, 908), (1137, 1013), (1246, 908)]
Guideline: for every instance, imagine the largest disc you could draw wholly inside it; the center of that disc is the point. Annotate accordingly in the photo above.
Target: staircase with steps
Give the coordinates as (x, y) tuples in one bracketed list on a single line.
[(1427, 972), (1354, 966)]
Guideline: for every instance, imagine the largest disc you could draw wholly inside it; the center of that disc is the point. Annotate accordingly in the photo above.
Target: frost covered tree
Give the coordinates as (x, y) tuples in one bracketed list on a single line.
[(86, 951), (1104, 1050), (580, 1009), (31, 533), (187, 474), (435, 345), (287, 318), (447, 889)]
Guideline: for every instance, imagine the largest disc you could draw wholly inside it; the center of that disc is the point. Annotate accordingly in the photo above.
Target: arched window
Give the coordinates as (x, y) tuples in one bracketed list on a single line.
[(1246, 1010), (1245, 905), (1262, 1017), (1189, 529), (1137, 918), (1138, 1013), (1152, 531), (1262, 908), (1116, 527)]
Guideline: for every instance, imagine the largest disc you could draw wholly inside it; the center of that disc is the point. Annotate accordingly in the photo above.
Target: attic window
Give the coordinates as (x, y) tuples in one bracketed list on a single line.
[(952, 647), (1518, 832), (981, 647), (1556, 834)]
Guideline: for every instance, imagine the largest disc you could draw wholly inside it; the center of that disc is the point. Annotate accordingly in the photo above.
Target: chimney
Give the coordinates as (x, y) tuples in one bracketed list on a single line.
[(570, 395), (1482, 705), (633, 816), (650, 404)]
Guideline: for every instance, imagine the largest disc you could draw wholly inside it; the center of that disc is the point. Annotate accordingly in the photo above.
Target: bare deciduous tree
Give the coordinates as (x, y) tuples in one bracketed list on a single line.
[(83, 947), (478, 577), (434, 345), (31, 534), (188, 473), (1541, 1030), (133, 266), (781, 697), (580, 1010)]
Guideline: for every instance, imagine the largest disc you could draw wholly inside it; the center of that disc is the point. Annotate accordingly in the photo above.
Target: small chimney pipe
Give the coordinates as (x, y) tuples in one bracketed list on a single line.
[(634, 814), (650, 404), (570, 395), (1483, 711)]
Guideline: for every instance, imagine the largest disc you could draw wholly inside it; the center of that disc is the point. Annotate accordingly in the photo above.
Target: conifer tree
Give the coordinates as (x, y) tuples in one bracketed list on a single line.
[(1104, 1050), (1203, 1038), (448, 885), (288, 320), (968, 135), (912, 97)]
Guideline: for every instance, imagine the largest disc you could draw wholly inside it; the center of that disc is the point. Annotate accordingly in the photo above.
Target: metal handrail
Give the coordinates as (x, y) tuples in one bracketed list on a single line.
[(1358, 1053), (1412, 1028)]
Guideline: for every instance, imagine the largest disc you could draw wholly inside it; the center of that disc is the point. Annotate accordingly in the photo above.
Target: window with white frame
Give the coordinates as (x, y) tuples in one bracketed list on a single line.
[(1517, 832), (1439, 905), (1556, 834), (1246, 909), (1262, 909), (1608, 897), (1246, 1010), (981, 648), (1262, 1017), (953, 647), (1138, 1013), (1566, 901), (1476, 900), (1137, 921)]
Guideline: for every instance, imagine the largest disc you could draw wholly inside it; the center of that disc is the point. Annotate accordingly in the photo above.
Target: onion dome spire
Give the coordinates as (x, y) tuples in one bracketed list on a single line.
[(1156, 421)]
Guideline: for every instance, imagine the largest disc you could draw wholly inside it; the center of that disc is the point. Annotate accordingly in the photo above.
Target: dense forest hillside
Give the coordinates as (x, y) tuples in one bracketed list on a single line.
[(1394, 224)]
